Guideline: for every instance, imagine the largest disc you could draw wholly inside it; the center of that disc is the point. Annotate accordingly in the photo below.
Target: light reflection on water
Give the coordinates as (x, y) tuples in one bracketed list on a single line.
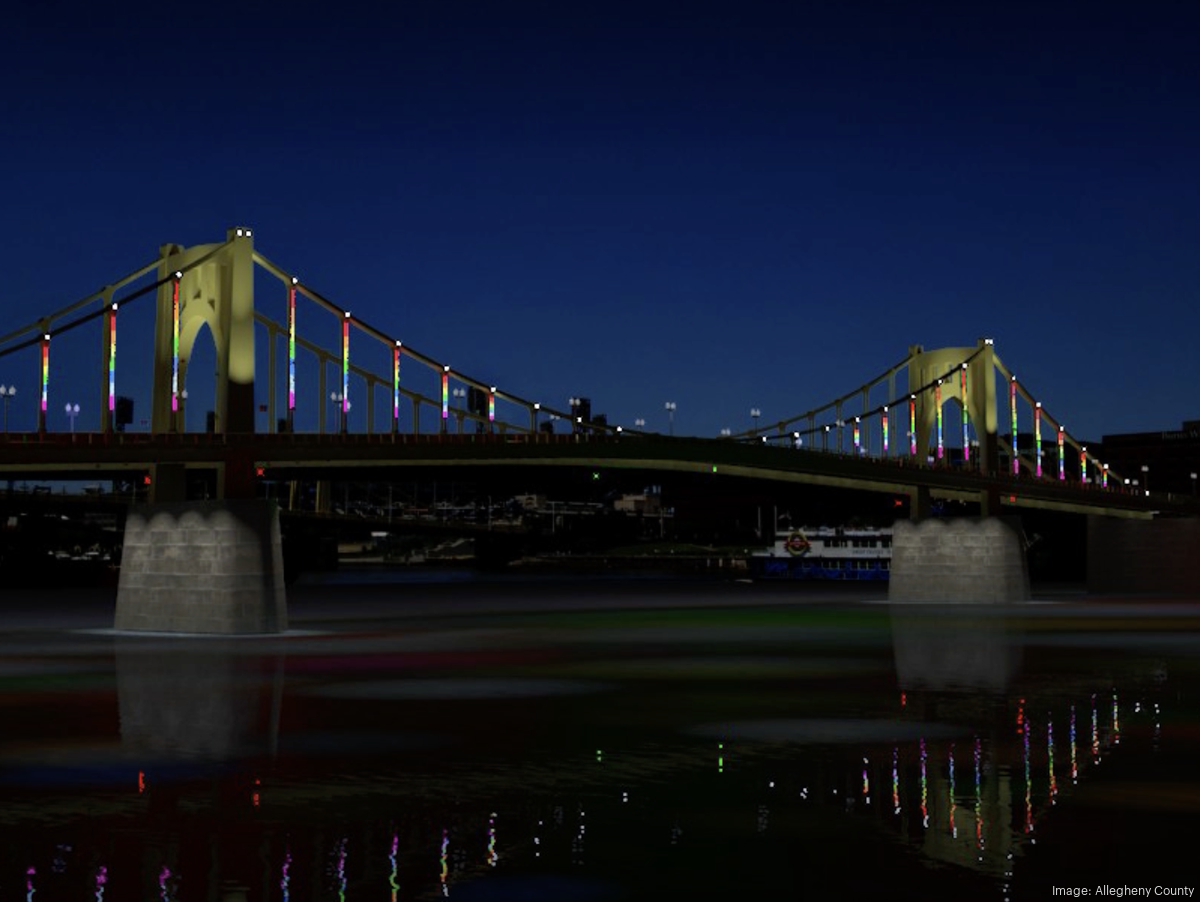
[(582, 752)]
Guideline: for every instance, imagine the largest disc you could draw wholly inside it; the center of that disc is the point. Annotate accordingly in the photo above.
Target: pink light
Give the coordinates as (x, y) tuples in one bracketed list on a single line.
[(112, 359)]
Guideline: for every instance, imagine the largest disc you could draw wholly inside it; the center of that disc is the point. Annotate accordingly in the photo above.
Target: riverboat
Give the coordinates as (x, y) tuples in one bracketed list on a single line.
[(826, 552)]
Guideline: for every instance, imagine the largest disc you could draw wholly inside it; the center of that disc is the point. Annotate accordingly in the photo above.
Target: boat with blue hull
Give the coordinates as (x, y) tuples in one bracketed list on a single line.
[(826, 552)]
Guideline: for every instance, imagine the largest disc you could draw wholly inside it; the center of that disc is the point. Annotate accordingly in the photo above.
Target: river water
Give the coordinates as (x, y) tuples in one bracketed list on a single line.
[(441, 735)]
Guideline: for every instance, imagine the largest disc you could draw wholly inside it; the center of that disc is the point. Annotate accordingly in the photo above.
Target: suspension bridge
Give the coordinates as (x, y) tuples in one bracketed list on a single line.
[(931, 425)]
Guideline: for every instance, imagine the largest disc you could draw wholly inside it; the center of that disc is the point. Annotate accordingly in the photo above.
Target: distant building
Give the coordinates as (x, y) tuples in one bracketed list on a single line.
[(639, 504), (1171, 458)]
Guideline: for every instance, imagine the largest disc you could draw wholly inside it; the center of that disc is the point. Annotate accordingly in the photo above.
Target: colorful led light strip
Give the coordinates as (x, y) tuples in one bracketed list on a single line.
[(175, 343), (291, 325), (978, 795), (395, 385), (285, 878), (392, 882), (445, 860), (491, 845), (1116, 720), (857, 438), (345, 367), (1012, 405), (924, 789), (112, 359), (937, 401), (445, 394), (1050, 758), (45, 374), (1074, 759), (492, 406), (101, 880), (1028, 782), (912, 425), (896, 780), (1062, 470), (885, 431), (965, 419), (341, 870), (1104, 476), (1037, 437), (953, 802), (1083, 464)]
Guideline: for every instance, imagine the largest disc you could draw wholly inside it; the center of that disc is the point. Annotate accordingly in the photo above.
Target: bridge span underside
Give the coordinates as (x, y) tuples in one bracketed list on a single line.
[(243, 459)]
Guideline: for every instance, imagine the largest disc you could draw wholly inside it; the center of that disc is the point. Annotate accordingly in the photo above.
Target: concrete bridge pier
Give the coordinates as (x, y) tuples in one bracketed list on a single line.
[(203, 566), (958, 559)]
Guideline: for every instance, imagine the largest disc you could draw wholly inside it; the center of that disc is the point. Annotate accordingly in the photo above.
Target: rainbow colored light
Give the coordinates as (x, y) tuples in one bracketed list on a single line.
[(885, 430), (112, 359), (963, 397), (1083, 464), (291, 325), (175, 343), (896, 780), (445, 395), (396, 385), (1104, 476), (492, 405), (1012, 404), (857, 437), (45, 373), (924, 788), (1062, 470), (392, 882), (978, 755), (1050, 759), (937, 402), (953, 801), (345, 368), (1074, 754), (1037, 437)]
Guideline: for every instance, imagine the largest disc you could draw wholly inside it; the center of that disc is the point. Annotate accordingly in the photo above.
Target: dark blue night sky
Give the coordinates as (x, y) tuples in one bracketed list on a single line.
[(723, 205)]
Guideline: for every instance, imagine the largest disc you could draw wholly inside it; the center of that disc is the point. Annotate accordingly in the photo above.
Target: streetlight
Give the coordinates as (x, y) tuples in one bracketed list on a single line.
[(1146, 477), (755, 413), (575, 404), (670, 407), (7, 392), (725, 433), (337, 398), (72, 413), (640, 422), (459, 394)]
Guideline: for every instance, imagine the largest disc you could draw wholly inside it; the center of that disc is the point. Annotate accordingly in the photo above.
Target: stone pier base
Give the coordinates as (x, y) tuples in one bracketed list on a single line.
[(203, 567), (958, 560)]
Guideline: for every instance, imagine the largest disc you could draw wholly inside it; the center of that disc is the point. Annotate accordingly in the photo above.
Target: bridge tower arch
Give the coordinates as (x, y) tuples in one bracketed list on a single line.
[(925, 367), (216, 288)]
